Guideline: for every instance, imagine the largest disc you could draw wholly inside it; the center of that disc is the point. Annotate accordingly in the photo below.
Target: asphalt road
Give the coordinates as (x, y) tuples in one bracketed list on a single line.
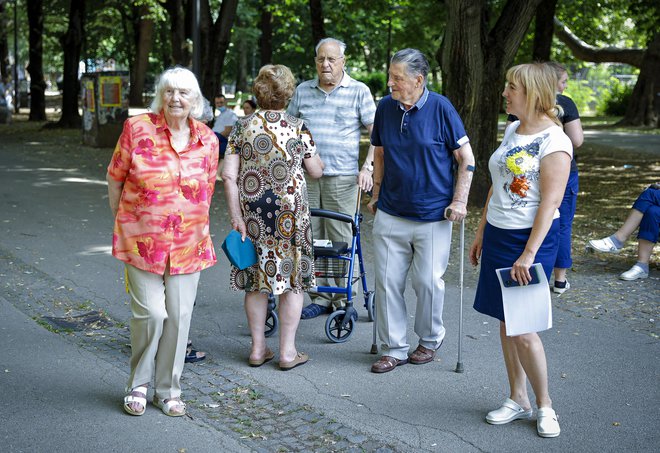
[(62, 391)]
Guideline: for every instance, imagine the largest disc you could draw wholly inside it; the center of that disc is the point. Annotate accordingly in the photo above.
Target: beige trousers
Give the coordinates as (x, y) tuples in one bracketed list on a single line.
[(162, 307)]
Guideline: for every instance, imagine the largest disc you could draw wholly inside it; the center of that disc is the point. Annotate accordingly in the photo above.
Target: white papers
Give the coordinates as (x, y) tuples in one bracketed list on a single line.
[(527, 308), (322, 243)]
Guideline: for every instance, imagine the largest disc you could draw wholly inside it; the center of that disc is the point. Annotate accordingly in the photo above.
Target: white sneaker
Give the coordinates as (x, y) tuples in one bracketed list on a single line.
[(604, 245), (547, 422), (634, 273), (558, 290)]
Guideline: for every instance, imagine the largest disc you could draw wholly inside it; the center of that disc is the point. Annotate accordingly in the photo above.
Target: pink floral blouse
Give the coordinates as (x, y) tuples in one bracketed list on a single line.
[(163, 215)]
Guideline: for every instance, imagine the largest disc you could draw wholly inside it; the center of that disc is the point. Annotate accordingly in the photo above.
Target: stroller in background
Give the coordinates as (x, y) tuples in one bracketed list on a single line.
[(336, 260)]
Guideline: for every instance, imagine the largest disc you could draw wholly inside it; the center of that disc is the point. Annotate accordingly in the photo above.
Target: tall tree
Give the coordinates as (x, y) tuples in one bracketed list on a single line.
[(215, 37), (4, 44), (474, 58), (177, 18), (72, 42), (543, 30), (266, 39), (143, 37), (35, 10), (644, 107), (316, 12)]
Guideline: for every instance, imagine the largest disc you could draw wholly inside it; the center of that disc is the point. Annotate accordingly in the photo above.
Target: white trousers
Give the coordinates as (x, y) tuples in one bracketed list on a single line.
[(401, 245), (162, 307)]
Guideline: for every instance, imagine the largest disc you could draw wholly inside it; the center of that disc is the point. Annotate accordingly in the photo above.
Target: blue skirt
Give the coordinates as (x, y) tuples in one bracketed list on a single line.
[(501, 248)]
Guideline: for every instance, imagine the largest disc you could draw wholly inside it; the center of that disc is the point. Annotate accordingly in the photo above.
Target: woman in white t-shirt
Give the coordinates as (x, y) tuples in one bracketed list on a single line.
[(520, 227)]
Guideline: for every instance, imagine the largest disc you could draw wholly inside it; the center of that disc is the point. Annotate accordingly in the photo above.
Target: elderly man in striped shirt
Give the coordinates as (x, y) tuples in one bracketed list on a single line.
[(334, 107)]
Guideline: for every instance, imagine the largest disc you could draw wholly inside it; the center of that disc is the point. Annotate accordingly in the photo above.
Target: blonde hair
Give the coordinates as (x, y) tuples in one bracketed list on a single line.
[(179, 78), (540, 83), (274, 87)]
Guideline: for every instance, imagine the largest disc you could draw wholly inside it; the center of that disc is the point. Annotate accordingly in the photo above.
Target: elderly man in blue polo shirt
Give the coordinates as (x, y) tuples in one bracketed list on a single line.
[(418, 136), (334, 107)]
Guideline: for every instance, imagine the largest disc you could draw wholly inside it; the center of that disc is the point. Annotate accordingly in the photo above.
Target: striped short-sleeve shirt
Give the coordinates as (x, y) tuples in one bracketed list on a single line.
[(335, 119)]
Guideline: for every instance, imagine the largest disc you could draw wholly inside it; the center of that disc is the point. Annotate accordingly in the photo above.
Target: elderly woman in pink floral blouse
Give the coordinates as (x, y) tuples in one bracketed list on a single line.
[(160, 183)]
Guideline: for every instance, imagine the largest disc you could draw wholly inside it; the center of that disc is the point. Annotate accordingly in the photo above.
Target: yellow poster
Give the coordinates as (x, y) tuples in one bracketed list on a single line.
[(90, 104), (110, 91)]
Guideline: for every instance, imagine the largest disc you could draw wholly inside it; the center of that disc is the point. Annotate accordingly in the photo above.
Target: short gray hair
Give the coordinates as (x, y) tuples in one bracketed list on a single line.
[(414, 60), (342, 46), (179, 78)]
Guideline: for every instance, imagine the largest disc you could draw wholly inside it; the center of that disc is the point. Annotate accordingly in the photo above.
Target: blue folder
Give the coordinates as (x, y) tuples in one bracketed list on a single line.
[(240, 253)]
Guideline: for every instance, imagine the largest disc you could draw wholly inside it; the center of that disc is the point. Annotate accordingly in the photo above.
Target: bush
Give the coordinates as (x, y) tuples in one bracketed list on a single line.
[(376, 81), (614, 101)]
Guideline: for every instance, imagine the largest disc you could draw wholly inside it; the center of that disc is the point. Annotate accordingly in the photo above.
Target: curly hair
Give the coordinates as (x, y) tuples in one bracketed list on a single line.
[(274, 87)]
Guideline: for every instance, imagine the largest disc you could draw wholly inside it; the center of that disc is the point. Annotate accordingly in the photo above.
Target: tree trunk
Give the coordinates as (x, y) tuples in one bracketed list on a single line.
[(644, 106), (72, 44), (35, 10), (241, 63), (181, 54), (318, 30), (266, 38), (4, 44), (144, 32), (544, 30), (474, 60), (215, 39)]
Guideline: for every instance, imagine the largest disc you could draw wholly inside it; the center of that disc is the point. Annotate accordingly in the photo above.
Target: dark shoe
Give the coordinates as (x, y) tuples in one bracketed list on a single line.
[(387, 363), (422, 355), (193, 355), (301, 359), (268, 356), (314, 310)]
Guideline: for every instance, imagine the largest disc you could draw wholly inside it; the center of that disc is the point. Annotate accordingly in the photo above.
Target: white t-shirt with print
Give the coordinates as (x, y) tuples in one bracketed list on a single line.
[(514, 169)]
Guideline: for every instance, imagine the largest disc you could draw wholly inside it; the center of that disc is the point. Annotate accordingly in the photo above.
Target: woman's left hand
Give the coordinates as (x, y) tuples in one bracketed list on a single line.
[(520, 269), (238, 224)]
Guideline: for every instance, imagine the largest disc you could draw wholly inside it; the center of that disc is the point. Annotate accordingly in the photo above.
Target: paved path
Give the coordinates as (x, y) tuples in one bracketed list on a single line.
[(54, 262)]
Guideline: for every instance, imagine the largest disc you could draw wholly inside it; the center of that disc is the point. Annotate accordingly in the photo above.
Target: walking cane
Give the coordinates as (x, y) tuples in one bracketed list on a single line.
[(459, 363), (461, 246)]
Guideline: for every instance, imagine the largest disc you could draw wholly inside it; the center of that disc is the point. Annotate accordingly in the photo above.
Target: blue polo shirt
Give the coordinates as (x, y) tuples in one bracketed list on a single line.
[(418, 182)]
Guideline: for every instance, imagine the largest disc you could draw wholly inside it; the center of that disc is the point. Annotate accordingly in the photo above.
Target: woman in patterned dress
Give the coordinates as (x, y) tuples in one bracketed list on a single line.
[(267, 201)]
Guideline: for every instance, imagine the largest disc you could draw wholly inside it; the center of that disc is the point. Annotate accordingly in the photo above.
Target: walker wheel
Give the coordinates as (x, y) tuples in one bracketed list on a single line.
[(272, 322), (371, 306), (334, 329)]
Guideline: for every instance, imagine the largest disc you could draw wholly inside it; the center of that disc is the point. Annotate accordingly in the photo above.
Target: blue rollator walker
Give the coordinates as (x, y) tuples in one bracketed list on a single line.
[(336, 260)]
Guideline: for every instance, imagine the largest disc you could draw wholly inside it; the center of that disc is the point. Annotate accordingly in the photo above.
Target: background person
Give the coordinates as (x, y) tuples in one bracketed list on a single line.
[(418, 135), (334, 107), (223, 123), (266, 197), (570, 120), (249, 107), (160, 182), (645, 214), (520, 227)]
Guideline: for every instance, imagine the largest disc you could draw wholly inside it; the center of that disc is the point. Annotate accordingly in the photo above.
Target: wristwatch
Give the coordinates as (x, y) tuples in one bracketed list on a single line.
[(369, 166)]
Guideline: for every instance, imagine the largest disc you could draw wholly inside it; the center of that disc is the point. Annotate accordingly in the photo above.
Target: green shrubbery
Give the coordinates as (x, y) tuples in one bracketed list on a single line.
[(614, 101), (376, 81)]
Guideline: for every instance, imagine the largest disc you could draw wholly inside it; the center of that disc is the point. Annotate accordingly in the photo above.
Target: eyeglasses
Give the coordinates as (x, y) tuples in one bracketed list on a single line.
[(331, 60)]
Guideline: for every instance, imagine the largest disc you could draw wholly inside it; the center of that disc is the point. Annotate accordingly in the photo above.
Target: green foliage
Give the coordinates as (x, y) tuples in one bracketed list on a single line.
[(581, 93), (376, 81), (614, 101)]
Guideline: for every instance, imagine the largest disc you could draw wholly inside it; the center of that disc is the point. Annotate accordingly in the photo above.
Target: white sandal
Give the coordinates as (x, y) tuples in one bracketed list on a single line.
[(142, 400), (167, 407), (547, 422)]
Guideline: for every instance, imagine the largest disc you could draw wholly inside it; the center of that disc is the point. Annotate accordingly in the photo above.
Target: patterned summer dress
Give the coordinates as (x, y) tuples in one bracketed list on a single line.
[(273, 196)]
